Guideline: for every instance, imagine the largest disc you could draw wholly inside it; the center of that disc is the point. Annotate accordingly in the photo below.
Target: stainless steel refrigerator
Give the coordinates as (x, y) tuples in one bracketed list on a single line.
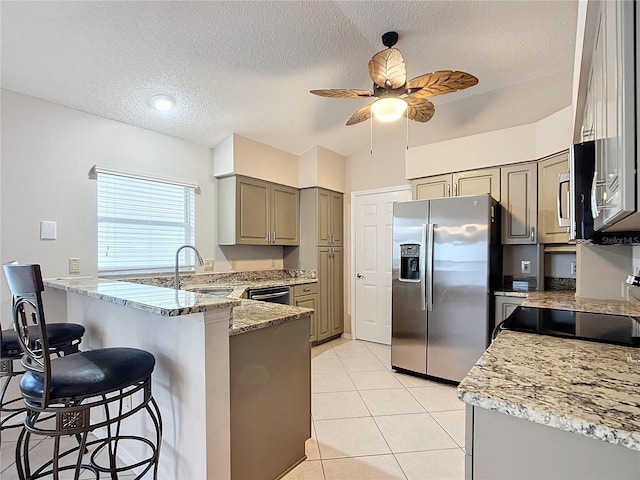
[(446, 258)]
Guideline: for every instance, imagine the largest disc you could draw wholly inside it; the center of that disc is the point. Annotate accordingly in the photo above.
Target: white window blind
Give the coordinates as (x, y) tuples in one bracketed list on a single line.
[(142, 222)]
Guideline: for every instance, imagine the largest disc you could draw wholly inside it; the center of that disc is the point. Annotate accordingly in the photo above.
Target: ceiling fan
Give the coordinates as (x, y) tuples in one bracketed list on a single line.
[(395, 96)]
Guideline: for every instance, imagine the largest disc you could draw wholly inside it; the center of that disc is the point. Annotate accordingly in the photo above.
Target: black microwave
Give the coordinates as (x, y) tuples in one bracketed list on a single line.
[(582, 160)]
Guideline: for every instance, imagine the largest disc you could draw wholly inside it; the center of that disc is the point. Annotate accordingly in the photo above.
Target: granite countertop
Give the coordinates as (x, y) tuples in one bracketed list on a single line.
[(167, 302), (241, 287), (588, 388), (253, 315), (583, 387), (246, 315), (566, 300)]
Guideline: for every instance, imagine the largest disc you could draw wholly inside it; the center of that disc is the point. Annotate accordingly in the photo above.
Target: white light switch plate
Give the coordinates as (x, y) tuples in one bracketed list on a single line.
[(48, 230)]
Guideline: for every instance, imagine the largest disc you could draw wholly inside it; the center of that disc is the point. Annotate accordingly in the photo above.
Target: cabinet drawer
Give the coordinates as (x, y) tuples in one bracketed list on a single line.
[(306, 289)]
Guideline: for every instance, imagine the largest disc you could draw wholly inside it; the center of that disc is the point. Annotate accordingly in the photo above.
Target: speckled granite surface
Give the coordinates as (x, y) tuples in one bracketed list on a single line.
[(247, 315), (160, 301), (254, 278), (588, 388), (252, 315), (566, 300)]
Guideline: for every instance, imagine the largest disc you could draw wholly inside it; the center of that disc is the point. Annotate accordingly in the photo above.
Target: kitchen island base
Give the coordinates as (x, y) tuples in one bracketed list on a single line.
[(501, 446), (270, 375)]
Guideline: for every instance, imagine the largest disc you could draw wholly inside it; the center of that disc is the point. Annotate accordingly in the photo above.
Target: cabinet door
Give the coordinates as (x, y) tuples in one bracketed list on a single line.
[(613, 63), (323, 216), (324, 293), (505, 306), (549, 229), (519, 191), (477, 182), (336, 220), (438, 186), (253, 212), (587, 117), (285, 215), (337, 292), (309, 301)]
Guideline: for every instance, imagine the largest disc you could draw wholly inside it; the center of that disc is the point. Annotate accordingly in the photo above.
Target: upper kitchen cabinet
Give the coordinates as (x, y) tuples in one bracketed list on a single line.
[(472, 182), (553, 199), (427, 188), (477, 182), (607, 96), (255, 212), (326, 207), (519, 191)]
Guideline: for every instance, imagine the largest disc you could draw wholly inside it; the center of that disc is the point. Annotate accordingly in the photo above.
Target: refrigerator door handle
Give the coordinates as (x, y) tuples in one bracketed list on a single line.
[(429, 262), (423, 265)]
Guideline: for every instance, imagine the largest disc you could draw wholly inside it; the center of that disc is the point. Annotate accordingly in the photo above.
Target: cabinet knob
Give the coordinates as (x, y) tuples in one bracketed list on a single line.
[(532, 235), (359, 275)]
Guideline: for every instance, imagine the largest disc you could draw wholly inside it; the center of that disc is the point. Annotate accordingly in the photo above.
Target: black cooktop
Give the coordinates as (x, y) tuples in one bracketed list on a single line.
[(597, 327)]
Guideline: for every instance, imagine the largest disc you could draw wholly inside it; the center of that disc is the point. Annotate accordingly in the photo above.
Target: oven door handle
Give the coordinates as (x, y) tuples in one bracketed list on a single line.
[(268, 296)]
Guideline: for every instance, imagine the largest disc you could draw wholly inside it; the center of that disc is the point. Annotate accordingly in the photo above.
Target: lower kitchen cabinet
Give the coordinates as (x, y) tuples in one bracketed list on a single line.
[(307, 296), (504, 446), (505, 305), (270, 393), (330, 291)]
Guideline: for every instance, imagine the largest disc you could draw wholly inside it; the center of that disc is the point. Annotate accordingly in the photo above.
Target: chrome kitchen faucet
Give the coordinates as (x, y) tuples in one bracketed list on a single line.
[(177, 271)]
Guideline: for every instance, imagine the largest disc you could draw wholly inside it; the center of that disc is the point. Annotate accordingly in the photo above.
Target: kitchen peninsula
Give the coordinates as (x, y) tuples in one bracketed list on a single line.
[(546, 407), (189, 335)]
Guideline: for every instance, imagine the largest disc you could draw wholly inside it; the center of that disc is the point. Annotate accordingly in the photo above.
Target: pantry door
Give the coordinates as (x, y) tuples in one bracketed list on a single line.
[(373, 220)]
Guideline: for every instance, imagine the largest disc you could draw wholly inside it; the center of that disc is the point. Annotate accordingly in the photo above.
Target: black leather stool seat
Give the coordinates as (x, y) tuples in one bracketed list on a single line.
[(91, 373), (59, 334)]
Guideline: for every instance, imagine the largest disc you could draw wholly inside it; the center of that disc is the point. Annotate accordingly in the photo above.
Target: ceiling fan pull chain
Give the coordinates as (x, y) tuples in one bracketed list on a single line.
[(371, 135), (407, 117)]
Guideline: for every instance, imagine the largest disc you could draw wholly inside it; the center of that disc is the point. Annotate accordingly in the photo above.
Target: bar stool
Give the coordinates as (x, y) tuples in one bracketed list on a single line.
[(84, 391), (63, 338)]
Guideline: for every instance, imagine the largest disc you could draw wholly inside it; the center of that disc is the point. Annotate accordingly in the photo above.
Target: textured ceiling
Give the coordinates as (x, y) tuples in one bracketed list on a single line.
[(247, 67)]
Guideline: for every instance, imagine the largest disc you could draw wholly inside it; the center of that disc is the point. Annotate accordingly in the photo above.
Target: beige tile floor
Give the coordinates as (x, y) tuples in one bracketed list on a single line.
[(369, 422), (40, 452)]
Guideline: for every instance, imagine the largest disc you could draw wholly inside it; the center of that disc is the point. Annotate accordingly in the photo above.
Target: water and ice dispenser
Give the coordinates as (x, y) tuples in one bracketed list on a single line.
[(410, 262)]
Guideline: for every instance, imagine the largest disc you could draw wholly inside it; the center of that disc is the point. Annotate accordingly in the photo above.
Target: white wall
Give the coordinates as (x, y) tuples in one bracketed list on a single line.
[(321, 167), (510, 145), (47, 151), (238, 155)]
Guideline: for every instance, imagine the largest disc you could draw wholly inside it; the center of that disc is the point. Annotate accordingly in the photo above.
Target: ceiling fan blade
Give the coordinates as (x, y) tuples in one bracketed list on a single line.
[(439, 83), (360, 116), (387, 69), (419, 109), (343, 93)]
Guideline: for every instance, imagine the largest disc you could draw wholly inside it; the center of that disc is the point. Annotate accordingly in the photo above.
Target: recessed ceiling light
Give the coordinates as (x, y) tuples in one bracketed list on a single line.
[(162, 103)]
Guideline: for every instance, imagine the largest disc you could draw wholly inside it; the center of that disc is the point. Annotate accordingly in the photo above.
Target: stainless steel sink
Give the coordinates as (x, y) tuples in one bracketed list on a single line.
[(218, 291)]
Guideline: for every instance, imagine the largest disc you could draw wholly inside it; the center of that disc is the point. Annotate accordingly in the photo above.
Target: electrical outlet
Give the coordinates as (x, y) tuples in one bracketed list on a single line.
[(573, 268), (525, 266), (74, 265), (208, 265)]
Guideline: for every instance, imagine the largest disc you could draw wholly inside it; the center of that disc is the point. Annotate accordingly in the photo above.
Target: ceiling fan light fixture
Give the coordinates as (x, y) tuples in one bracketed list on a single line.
[(388, 109), (163, 103)]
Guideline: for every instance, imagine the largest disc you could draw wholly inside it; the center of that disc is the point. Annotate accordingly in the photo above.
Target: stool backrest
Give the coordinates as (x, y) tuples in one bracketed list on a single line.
[(25, 284)]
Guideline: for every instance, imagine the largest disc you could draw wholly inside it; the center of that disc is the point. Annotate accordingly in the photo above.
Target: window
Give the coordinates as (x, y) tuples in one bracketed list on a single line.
[(142, 222)]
